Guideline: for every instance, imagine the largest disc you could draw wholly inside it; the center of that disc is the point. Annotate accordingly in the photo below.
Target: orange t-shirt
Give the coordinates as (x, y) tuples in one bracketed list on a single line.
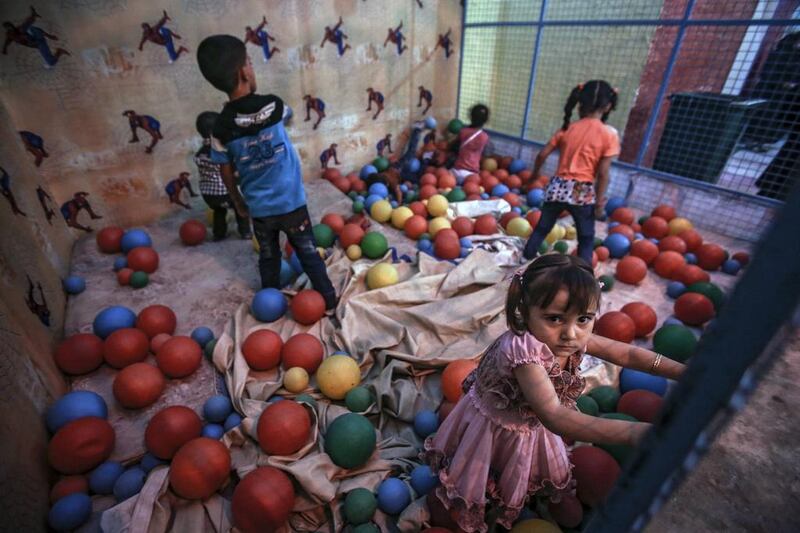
[(582, 147)]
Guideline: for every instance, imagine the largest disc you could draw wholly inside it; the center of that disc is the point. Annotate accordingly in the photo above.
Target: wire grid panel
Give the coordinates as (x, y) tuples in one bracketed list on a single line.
[(495, 71), (603, 9), (737, 9), (502, 10), (569, 55)]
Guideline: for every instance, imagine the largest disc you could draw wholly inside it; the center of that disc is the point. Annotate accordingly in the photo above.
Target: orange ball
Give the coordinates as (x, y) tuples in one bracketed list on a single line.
[(342, 183), (688, 274), (334, 221), (693, 308), (302, 350), (158, 341), (262, 501), (463, 226), (125, 346), (68, 485), (171, 428), (179, 357), (645, 250), (623, 215), (485, 225), (138, 385), (415, 226), (742, 257), (692, 239), (262, 349), (666, 212), (331, 174), (446, 244), (624, 230), (710, 256), (200, 468), (446, 180), (602, 253), (616, 325), (81, 445), (155, 319), (655, 227), (667, 264), (192, 232), (427, 179), (426, 191), (672, 242), (350, 234), (307, 306), (283, 428), (109, 240), (453, 376), (643, 316), (124, 276), (641, 404), (79, 354), (143, 258), (631, 269)]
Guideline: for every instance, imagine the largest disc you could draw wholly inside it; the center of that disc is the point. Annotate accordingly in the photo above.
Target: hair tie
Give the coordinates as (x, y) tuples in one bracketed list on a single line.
[(615, 89), (580, 86)]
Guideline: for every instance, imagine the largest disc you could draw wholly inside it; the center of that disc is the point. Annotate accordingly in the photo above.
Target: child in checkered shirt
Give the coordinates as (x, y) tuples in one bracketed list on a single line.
[(211, 185)]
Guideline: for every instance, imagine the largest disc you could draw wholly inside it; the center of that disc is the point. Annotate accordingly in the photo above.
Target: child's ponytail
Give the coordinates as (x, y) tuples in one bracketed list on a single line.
[(589, 97), (572, 101), (515, 319)]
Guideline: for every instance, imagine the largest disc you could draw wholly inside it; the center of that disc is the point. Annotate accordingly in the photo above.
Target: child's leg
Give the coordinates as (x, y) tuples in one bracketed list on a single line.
[(411, 147), (217, 205), (550, 212), (584, 227), (269, 256)]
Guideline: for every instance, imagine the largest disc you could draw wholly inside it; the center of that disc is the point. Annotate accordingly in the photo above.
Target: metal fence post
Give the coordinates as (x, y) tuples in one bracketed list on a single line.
[(461, 54), (534, 62)]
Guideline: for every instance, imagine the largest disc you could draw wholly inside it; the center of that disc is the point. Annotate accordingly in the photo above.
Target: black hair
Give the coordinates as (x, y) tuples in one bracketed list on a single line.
[(540, 283), (220, 58), (589, 97), (205, 123), (478, 115)]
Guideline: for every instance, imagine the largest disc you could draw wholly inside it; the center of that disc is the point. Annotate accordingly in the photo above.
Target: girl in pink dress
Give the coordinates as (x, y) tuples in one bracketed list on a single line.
[(503, 442)]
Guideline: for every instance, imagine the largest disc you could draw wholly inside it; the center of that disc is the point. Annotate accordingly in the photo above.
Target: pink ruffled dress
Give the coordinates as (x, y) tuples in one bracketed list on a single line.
[(492, 448)]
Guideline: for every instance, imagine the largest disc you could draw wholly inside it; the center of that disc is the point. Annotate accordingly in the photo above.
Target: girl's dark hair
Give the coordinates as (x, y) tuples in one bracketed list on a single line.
[(478, 116), (589, 97), (541, 281), (205, 123)]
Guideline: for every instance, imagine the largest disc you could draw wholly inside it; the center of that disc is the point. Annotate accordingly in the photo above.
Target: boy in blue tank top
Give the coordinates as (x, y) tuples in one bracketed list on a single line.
[(249, 137)]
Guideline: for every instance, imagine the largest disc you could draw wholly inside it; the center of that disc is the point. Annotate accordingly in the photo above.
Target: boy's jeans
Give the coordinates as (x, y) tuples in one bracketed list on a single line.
[(584, 226), (220, 205), (297, 227)]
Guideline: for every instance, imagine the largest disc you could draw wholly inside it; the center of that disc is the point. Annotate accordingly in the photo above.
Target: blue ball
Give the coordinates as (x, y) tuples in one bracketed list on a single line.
[(404, 188), (378, 189), (613, 224), (275, 399), (653, 240), (70, 512), (413, 165), (465, 252), (202, 335), (287, 273), (129, 483), (233, 420), (423, 480), (638, 236), (268, 305), (424, 245), (630, 379), (675, 289), (499, 190), (102, 478), (150, 461), (484, 196), (614, 203), (393, 203), (691, 259), (371, 199), (74, 284), (74, 405), (731, 266), (294, 262), (517, 210), (366, 170), (111, 319), (430, 122), (217, 408), (425, 423), (120, 263), (535, 197), (516, 166), (672, 321), (618, 245), (133, 238), (515, 190), (393, 496), (213, 431), (465, 242)]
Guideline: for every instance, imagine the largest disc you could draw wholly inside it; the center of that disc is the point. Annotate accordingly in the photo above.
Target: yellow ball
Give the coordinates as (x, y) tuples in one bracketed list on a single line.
[(556, 234), (381, 275), (437, 205), (535, 525), (679, 224), (322, 253), (489, 164), (436, 224), (571, 234), (381, 210), (337, 375), (210, 217), (295, 379), (519, 227), (400, 215), (256, 246), (353, 252)]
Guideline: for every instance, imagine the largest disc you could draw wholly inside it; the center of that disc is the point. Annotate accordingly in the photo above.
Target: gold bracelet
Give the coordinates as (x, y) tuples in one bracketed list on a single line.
[(656, 362)]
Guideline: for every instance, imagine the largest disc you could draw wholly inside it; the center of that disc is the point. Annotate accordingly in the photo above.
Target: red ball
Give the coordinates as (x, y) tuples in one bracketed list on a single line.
[(418, 208), (359, 185), (710, 256), (631, 269), (692, 239), (507, 217), (350, 234), (513, 199), (623, 215), (426, 191), (427, 179), (742, 257), (533, 217), (353, 177), (568, 512), (446, 181), (192, 232), (79, 354), (262, 501), (331, 174), (489, 182), (668, 263), (262, 349), (171, 428), (199, 468), (667, 212), (158, 341), (81, 445), (308, 307), (693, 308), (155, 319), (143, 258), (446, 244), (445, 409), (501, 173), (109, 240), (645, 250), (636, 227), (655, 227), (624, 230), (125, 346), (179, 357), (68, 485), (525, 175), (643, 316), (302, 350), (485, 225), (595, 473), (688, 274), (124, 276), (602, 253), (342, 183), (138, 385), (463, 226), (514, 182), (283, 428), (643, 405), (334, 221), (674, 243), (471, 187), (415, 226), (453, 376), (616, 325), (440, 515)]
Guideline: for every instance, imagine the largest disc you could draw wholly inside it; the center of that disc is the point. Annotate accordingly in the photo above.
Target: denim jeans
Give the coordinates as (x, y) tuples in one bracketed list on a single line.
[(220, 204), (297, 227), (409, 154), (584, 226)]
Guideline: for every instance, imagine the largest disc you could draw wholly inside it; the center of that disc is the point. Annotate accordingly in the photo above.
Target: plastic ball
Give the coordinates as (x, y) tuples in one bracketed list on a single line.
[(535, 197), (192, 232), (359, 506), (358, 206), (630, 379), (233, 420), (337, 375), (129, 483), (134, 238), (666, 212), (73, 406), (425, 423), (199, 468), (158, 341), (694, 308), (499, 190), (655, 227), (519, 227), (616, 325), (381, 163), (350, 440), (644, 250), (381, 275), (446, 244), (351, 234), (674, 341), (535, 525), (568, 512), (587, 405), (79, 354), (374, 245), (742, 257), (307, 307), (426, 191), (731, 267), (171, 428), (68, 485), (618, 245), (489, 164), (679, 224), (400, 216), (437, 205), (623, 215), (138, 385), (378, 189), (454, 126), (80, 445), (358, 399), (710, 291), (691, 238), (262, 501), (102, 478), (74, 284), (614, 203), (643, 316), (302, 350), (179, 357), (456, 195), (453, 376), (691, 259), (393, 496), (262, 349), (606, 282), (143, 259), (295, 379), (217, 408), (672, 242), (606, 398), (690, 274), (631, 270), (485, 225), (668, 263), (268, 305), (602, 253), (150, 461), (366, 171), (710, 256), (125, 346), (139, 279), (70, 512), (283, 428), (425, 245), (353, 252), (643, 405), (120, 263), (381, 211), (202, 335), (463, 226), (155, 319), (561, 247), (595, 472), (109, 240), (675, 289), (111, 319), (423, 480), (415, 226)]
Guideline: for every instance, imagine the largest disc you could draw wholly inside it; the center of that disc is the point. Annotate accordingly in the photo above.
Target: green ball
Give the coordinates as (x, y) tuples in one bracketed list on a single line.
[(359, 506), (454, 126), (350, 440), (139, 279), (561, 247), (307, 399), (324, 235), (607, 281), (598, 242), (674, 341), (424, 236), (456, 195), (358, 206), (606, 397), (543, 248), (209, 348), (710, 291), (358, 399), (366, 528), (374, 245), (588, 406), (381, 163), (643, 218), (524, 209), (409, 197), (620, 452), (352, 195)]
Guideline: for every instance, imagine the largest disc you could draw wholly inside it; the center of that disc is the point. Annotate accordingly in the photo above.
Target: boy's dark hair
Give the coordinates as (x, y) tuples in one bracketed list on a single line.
[(220, 58), (478, 115), (540, 283), (205, 123), (589, 97)]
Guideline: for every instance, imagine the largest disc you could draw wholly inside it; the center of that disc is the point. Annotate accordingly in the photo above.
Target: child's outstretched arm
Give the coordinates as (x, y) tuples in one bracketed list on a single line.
[(603, 169), (541, 157), (569, 423), (229, 180), (635, 357)]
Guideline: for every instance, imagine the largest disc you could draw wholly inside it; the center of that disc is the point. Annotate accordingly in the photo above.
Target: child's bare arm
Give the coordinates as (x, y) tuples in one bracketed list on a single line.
[(544, 153), (603, 170), (630, 356), (230, 183)]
